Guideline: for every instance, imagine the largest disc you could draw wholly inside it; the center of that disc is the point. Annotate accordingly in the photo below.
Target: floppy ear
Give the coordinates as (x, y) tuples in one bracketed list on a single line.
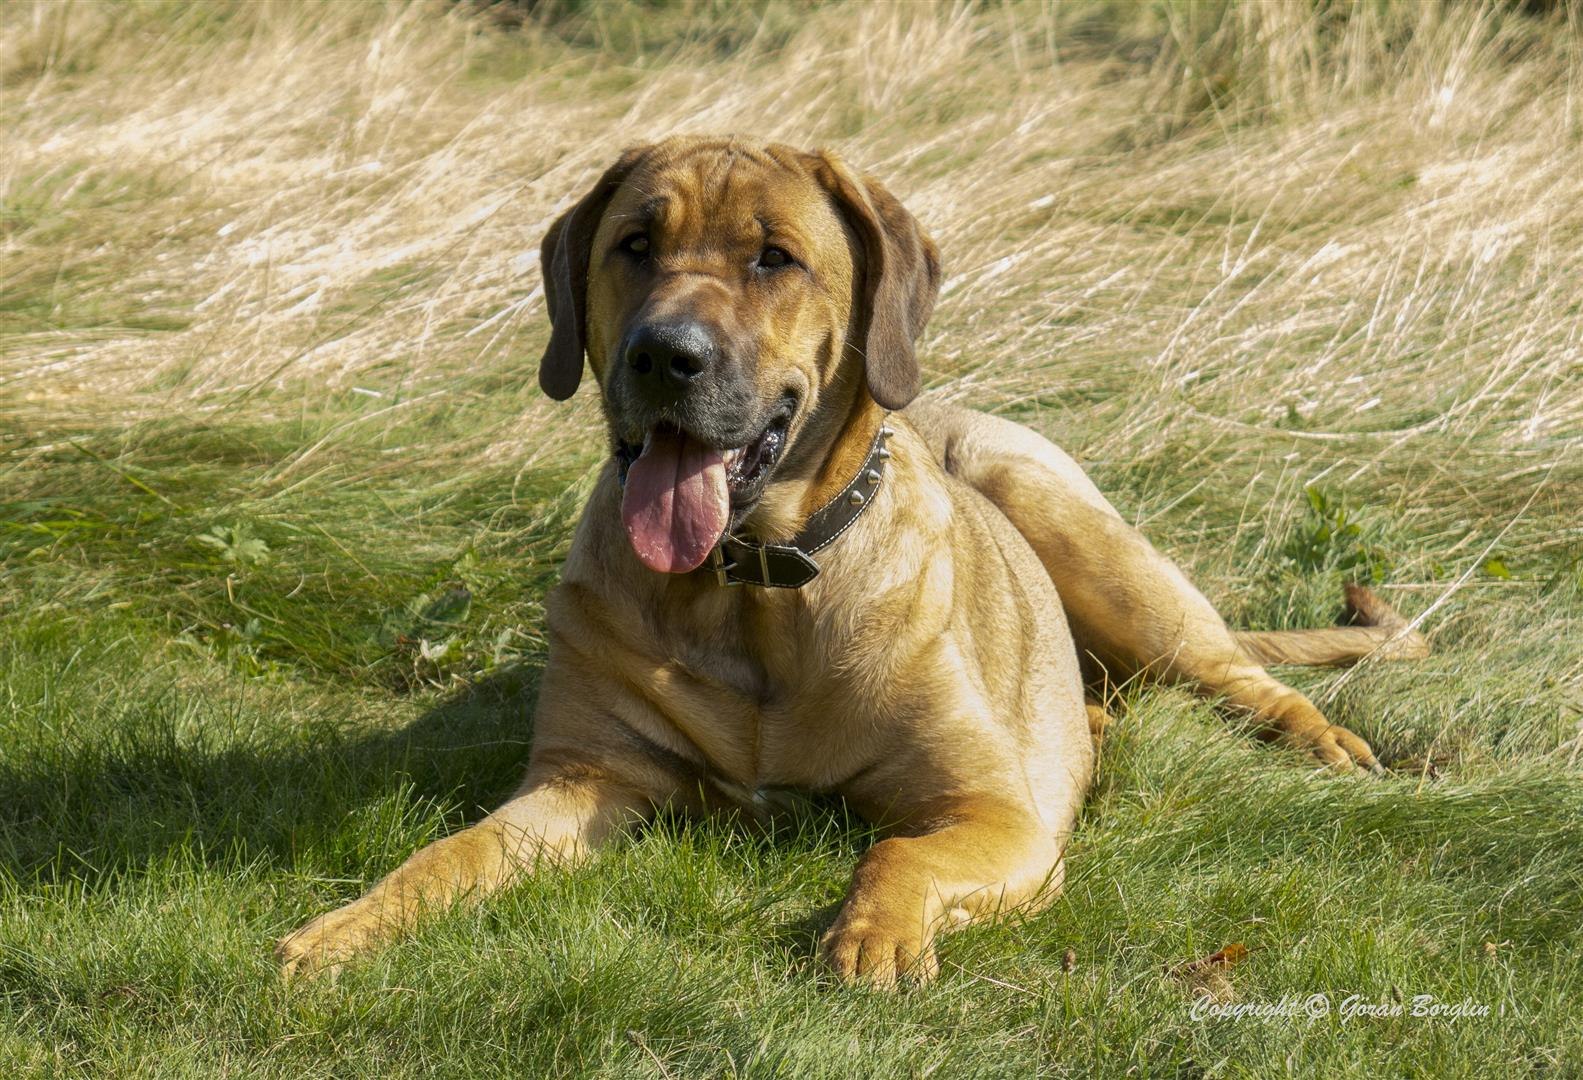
[(901, 279), (563, 260)]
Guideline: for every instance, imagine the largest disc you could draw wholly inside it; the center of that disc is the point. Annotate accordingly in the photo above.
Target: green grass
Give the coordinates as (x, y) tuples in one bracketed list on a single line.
[(280, 502)]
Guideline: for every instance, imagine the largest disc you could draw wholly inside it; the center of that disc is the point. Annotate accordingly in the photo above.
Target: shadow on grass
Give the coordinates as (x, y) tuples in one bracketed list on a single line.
[(165, 774)]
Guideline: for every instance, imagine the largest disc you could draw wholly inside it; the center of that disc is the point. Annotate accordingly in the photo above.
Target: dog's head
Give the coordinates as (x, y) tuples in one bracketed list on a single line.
[(730, 297)]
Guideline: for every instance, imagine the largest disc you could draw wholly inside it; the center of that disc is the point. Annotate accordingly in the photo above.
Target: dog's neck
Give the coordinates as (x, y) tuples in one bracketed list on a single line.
[(834, 447)]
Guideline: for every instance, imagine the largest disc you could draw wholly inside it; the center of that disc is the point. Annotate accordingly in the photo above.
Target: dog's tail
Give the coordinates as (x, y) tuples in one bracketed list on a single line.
[(1377, 631)]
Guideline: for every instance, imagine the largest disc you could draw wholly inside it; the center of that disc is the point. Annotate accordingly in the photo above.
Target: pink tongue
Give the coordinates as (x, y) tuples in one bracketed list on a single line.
[(676, 503)]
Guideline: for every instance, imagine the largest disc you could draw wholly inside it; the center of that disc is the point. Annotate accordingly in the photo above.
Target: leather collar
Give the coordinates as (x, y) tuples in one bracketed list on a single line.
[(736, 561)]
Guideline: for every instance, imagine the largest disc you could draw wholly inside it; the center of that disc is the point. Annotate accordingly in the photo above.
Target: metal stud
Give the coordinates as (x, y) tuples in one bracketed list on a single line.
[(872, 477), (886, 432), (856, 498), (883, 454)]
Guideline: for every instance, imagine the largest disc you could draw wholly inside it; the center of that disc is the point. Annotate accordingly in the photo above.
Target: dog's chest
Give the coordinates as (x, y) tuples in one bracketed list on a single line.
[(775, 712)]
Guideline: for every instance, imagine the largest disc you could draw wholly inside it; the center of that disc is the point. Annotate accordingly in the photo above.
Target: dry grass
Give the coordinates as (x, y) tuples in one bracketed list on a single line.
[(275, 264), (1363, 231), (340, 194)]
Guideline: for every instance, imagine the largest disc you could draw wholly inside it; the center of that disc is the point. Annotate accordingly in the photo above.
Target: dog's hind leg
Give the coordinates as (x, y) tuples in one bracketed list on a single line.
[(1130, 608)]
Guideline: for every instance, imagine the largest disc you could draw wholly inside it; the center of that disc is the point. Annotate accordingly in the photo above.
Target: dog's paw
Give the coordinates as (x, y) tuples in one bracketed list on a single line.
[(879, 951), (1335, 747), (321, 948)]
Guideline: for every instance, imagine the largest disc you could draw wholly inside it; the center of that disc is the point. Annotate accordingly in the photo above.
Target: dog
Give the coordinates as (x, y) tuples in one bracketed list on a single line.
[(795, 573)]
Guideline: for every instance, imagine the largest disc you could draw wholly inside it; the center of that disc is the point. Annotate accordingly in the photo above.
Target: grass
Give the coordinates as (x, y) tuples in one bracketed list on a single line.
[(279, 502)]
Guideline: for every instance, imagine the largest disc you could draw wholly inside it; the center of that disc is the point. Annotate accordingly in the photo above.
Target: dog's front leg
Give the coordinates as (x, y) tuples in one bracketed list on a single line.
[(563, 811), (972, 857)]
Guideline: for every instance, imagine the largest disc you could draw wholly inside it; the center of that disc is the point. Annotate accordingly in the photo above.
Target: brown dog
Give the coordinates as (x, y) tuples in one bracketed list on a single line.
[(792, 574)]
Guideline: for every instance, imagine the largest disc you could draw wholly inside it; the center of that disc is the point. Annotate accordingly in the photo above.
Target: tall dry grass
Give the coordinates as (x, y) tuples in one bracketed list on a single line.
[(1346, 237)]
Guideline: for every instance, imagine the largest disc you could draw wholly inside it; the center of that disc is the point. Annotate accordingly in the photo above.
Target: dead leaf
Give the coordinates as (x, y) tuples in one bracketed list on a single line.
[(1234, 953)]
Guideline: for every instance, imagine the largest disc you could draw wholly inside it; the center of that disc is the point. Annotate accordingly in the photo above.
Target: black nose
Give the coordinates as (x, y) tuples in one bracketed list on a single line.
[(668, 357)]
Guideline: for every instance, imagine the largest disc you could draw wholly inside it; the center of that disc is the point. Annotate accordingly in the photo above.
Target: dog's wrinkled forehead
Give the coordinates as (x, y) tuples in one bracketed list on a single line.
[(719, 197)]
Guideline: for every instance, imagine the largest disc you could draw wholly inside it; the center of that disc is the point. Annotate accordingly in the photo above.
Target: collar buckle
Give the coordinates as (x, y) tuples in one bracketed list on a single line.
[(722, 569)]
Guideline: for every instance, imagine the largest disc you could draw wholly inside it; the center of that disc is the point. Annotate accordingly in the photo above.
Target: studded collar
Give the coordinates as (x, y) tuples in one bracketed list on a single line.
[(736, 561)]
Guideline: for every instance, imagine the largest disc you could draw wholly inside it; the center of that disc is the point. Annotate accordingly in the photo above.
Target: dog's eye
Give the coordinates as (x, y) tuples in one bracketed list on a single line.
[(773, 258), (636, 244)]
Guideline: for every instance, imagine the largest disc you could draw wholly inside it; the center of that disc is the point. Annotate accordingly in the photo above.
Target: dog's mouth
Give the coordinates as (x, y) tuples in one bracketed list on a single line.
[(681, 493)]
